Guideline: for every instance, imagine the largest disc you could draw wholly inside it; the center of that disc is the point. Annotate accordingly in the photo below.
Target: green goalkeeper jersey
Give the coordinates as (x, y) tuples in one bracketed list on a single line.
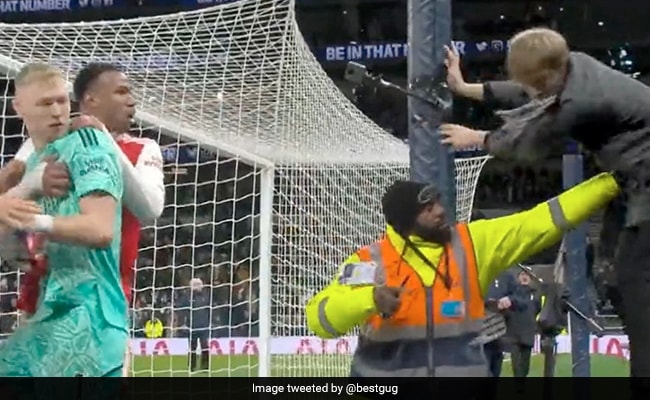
[(77, 274)]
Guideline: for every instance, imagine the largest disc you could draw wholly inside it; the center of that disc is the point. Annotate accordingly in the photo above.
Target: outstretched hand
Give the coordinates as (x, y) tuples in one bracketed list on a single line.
[(461, 137), (455, 79), (17, 213)]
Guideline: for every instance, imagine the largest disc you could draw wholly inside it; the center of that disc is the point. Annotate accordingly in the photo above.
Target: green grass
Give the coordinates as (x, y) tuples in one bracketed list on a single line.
[(601, 366), (243, 366)]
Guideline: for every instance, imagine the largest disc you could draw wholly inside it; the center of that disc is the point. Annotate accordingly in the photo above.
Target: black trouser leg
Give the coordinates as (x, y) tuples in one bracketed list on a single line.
[(633, 274), (520, 361), (494, 355), (547, 344), (520, 364), (192, 358), (205, 351)]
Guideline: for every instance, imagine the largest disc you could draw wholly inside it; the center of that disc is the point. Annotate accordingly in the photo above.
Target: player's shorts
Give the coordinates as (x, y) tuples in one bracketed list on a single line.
[(64, 344)]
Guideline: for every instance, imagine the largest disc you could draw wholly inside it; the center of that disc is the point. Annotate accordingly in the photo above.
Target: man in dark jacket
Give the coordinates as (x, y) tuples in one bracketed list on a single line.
[(504, 294), (522, 327), (555, 95), (198, 312)]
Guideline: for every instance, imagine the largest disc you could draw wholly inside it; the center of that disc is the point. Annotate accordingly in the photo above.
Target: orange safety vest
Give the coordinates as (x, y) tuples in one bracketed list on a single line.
[(417, 340)]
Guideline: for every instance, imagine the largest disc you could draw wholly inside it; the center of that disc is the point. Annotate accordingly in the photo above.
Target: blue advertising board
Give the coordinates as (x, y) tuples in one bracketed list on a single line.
[(38, 6), (399, 50)]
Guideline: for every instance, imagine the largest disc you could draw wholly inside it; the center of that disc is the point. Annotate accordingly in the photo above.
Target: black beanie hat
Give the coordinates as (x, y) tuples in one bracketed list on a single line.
[(401, 206)]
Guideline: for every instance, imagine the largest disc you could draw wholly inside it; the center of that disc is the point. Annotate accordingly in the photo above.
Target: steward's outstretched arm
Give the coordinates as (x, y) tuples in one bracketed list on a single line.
[(502, 242), (338, 308)]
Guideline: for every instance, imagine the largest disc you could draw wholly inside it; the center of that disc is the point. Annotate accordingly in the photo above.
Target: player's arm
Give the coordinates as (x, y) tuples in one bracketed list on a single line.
[(92, 227), (97, 180), (502, 242), (144, 183), (12, 173), (338, 308)]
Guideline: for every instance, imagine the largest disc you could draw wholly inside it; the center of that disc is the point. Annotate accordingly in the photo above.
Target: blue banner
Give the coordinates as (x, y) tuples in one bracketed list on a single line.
[(399, 50), (186, 154), (35, 6), (204, 3)]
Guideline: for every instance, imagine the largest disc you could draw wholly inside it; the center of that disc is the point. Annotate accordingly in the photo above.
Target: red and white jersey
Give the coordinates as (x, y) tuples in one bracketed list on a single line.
[(145, 155)]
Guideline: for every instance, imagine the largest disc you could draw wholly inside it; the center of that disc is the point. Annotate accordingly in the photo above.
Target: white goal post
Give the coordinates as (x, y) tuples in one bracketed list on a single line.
[(274, 178)]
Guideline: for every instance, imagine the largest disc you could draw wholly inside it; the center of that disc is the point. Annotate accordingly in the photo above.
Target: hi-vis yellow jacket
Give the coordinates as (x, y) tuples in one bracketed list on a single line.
[(498, 244), (153, 328)]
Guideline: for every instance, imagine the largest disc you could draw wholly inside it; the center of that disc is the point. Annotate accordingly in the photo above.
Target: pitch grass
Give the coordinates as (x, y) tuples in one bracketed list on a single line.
[(246, 366)]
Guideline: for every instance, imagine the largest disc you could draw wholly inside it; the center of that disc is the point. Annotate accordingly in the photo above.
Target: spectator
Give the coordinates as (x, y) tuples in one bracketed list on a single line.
[(198, 303), (154, 328), (221, 297), (503, 292), (522, 327)]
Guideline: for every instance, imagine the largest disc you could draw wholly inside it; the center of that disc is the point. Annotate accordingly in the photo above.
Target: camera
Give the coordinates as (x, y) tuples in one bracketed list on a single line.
[(429, 89)]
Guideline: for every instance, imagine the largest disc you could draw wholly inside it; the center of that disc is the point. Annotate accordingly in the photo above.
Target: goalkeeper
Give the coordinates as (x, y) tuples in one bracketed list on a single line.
[(564, 95), (418, 293), (79, 327)]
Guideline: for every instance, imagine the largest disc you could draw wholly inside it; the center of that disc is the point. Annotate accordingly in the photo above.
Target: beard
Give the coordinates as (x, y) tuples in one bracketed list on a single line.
[(433, 234)]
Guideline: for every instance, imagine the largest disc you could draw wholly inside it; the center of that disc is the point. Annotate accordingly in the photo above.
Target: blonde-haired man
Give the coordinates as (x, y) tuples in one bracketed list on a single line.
[(556, 95), (79, 327)]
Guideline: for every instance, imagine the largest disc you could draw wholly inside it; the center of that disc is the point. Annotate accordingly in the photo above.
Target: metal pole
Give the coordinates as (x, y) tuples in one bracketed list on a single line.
[(576, 273), (429, 29)]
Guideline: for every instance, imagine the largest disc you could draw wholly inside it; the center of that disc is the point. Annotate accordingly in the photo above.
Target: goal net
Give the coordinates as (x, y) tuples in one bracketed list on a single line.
[(273, 178)]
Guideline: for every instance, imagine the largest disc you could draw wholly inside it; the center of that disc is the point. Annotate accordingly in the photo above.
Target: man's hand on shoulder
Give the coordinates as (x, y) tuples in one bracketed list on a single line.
[(56, 178), (87, 121)]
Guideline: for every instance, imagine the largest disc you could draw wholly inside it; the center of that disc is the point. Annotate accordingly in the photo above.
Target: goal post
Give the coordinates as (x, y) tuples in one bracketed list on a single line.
[(267, 193), (274, 177)]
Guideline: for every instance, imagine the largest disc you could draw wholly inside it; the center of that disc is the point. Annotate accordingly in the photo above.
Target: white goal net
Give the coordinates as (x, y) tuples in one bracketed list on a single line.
[(273, 177)]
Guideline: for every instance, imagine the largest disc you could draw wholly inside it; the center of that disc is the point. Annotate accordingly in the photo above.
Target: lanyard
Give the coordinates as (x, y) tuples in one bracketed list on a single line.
[(446, 279)]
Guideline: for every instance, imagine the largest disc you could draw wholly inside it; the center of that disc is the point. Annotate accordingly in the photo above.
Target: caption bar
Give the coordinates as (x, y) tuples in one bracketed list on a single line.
[(331, 388)]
